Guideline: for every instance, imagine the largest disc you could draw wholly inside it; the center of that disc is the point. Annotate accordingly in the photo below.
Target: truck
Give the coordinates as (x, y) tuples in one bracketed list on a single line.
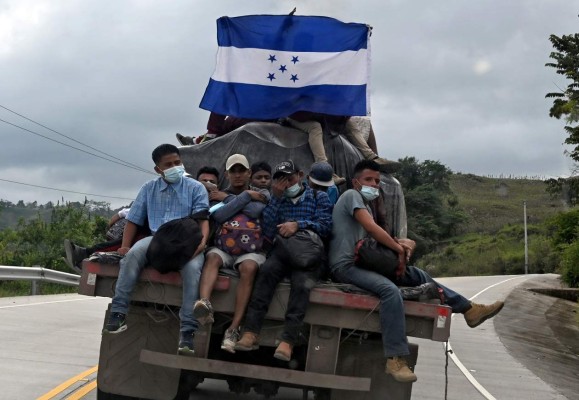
[(341, 354)]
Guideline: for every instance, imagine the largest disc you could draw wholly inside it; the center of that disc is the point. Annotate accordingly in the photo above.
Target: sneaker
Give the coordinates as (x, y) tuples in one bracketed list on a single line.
[(185, 140), (186, 343), (283, 351), (230, 339), (479, 313), (117, 323), (387, 166), (74, 255), (203, 311), (398, 368), (249, 341)]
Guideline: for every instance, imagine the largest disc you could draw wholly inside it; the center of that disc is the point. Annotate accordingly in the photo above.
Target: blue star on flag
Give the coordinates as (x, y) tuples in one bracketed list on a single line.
[(295, 59), (282, 68), (271, 77), (272, 58), (294, 78)]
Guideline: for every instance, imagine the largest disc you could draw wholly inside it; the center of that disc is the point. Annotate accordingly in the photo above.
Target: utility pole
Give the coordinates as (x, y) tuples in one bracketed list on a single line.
[(526, 244)]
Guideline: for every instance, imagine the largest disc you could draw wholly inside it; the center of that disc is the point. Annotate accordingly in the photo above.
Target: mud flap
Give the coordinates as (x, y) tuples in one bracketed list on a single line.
[(120, 371)]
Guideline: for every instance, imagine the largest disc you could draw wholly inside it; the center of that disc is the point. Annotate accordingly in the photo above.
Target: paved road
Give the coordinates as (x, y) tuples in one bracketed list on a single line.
[(46, 340)]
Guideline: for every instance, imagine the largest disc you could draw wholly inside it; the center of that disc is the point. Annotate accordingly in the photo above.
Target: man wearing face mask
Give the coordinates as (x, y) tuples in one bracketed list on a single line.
[(169, 197), (353, 221), (292, 207)]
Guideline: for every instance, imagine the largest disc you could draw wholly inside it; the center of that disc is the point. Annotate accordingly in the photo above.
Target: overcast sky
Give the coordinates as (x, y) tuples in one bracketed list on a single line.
[(460, 82)]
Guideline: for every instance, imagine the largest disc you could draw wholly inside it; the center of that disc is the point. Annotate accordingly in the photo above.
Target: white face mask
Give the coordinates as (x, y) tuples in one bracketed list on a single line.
[(293, 191), (174, 174), (368, 192)]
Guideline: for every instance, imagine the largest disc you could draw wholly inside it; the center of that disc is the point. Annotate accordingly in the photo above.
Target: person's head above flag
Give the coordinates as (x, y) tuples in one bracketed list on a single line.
[(271, 66)]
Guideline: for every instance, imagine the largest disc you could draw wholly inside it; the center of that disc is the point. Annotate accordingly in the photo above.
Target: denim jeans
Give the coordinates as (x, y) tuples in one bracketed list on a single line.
[(270, 274), (131, 266), (392, 319)]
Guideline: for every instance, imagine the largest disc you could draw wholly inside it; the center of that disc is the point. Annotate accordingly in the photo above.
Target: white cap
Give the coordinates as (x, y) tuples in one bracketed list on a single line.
[(236, 159)]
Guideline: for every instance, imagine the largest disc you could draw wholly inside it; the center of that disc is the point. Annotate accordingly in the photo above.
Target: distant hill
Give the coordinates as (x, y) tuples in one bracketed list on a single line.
[(11, 213), (492, 203), (491, 242)]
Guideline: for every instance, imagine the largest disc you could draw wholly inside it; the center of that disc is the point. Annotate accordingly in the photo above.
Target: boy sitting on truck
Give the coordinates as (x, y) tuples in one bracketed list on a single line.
[(353, 221), (237, 240), (292, 208), (169, 197)]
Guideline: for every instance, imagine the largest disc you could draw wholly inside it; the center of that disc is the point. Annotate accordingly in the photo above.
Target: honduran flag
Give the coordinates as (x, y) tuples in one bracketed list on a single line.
[(270, 66)]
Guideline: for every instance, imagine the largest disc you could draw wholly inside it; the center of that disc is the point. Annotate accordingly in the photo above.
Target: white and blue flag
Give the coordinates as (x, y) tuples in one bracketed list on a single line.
[(270, 66)]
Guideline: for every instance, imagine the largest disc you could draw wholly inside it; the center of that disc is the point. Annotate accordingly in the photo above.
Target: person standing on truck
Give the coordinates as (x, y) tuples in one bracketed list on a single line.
[(353, 221), (237, 244), (169, 197), (293, 208)]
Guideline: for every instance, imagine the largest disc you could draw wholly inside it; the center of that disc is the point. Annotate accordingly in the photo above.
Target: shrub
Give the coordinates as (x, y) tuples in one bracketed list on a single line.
[(570, 265)]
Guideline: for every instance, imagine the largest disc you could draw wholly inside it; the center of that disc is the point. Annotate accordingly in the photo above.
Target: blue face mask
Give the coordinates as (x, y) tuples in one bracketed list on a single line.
[(369, 193), (174, 174), (293, 191)]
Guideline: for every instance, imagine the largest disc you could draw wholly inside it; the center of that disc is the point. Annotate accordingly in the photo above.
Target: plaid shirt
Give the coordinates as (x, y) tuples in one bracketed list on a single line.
[(160, 202), (308, 212)]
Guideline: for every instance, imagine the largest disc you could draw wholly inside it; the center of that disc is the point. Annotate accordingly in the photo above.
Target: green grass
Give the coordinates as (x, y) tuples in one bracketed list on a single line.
[(491, 242), (492, 203), (24, 288)]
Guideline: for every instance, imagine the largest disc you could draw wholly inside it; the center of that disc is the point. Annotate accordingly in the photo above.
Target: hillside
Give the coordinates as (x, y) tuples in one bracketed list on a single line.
[(492, 240), (492, 203), (11, 213)]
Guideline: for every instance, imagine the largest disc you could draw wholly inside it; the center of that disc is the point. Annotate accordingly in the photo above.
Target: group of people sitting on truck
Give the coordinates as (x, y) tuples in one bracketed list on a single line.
[(270, 224)]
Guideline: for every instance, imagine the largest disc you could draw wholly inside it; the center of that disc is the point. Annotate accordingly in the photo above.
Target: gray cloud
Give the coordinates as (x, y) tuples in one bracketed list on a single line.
[(457, 82)]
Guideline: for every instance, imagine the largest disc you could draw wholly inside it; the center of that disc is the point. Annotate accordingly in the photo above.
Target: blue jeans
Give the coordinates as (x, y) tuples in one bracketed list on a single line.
[(131, 266), (392, 319)]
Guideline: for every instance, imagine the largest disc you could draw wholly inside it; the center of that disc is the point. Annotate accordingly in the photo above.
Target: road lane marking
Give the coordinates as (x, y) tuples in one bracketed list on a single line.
[(47, 302), (84, 390), (65, 385), (460, 365)]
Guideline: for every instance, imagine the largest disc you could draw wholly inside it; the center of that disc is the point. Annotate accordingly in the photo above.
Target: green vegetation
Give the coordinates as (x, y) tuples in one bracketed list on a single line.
[(566, 102), (40, 242), (432, 207), (491, 241)]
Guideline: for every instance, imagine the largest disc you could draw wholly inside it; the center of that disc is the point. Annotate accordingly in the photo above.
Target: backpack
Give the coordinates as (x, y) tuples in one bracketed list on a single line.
[(116, 230), (239, 235), (174, 244)]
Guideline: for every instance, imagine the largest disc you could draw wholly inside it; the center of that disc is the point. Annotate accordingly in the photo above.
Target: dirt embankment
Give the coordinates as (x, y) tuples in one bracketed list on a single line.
[(542, 332)]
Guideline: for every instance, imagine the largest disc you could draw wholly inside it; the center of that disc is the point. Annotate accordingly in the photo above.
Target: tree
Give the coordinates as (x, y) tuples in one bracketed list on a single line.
[(566, 102), (432, 208), (39, 242)]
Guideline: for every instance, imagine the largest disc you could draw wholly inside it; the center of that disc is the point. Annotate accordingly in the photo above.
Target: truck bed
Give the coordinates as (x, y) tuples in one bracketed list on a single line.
[(342, 354)]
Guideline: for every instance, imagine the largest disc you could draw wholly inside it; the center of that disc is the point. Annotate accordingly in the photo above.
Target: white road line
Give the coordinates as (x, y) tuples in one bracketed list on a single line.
[(460, 365), (47, 302)]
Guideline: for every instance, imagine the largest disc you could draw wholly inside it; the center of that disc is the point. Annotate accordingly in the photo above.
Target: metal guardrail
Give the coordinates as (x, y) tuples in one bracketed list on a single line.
[(37, 274)]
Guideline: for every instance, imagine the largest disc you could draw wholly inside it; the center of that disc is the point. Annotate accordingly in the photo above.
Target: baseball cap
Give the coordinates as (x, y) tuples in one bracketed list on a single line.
[(321, 174), (236, 159), (285, 168)]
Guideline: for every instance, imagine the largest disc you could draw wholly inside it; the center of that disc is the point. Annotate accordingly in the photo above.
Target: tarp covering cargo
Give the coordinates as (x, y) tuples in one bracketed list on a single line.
[(273, 143)]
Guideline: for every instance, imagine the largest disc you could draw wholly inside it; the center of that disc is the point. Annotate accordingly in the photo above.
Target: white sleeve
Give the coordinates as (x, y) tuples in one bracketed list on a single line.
[(124, 212)]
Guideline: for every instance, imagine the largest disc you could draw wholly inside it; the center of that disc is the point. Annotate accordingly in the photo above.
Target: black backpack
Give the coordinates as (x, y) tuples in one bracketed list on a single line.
[(174, 244)]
